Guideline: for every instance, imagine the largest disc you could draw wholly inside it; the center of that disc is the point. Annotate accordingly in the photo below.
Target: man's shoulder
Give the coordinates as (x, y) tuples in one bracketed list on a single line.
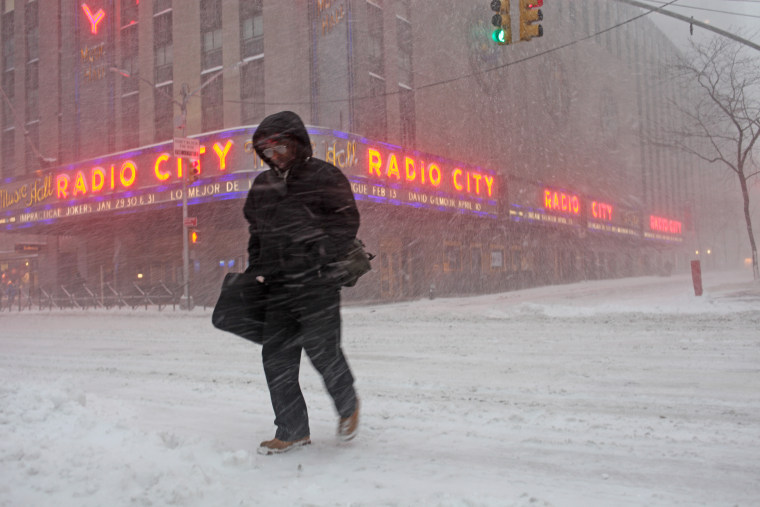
[(262, 178), (263, 175)]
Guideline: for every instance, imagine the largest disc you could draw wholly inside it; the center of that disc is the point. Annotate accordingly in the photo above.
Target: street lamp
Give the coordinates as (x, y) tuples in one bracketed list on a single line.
[(181, 122)]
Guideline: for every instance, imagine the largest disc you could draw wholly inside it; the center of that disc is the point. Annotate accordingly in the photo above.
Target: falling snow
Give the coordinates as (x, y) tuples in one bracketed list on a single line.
[(625, 392)]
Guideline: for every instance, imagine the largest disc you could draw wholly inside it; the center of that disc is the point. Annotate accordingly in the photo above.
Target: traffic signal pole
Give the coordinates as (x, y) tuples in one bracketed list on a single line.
[(185, 239), (691, 21)]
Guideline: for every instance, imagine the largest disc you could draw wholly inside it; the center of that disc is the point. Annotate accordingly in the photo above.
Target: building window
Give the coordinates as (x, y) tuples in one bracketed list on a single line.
[(9, 55), (9, 86), (476, 260), (408, 118), (33, 135), (162, 47), (404, 9), (130, 121), (164, 112), (516, 259), (404, 41), (8, 162), (8, 42), (159, 6), (452, 254), (585, 17), (252, 92), (572, 13), (9, 119), (32, 31), (32, 84), (375, 40), (497, 259), (32, 77), (129, 45), (212, 108), (377, 115), (128, 12), (251, 28), (9, 152), (211, 34)]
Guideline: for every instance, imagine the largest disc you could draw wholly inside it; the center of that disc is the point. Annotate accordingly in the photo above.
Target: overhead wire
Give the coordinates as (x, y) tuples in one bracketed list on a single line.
[(682, 6)]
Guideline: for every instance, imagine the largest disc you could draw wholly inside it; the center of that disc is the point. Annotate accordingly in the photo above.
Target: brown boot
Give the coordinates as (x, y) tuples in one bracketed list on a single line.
[(277, 446), (348, 426)]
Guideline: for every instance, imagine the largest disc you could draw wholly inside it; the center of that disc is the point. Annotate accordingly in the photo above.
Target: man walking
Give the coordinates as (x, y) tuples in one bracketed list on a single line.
[(302, 215)]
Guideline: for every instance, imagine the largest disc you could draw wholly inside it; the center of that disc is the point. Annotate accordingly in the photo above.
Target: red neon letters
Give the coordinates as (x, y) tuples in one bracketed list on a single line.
[(94, 19), (665, 225), (560, 201), (406, 169)]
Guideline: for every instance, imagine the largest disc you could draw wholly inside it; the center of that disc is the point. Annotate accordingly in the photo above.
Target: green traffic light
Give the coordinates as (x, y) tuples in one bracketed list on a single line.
[(501, 37)]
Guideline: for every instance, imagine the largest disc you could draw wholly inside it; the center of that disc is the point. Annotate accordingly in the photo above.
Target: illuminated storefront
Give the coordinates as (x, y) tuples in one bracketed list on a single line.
[(439, 226), (102, 202)]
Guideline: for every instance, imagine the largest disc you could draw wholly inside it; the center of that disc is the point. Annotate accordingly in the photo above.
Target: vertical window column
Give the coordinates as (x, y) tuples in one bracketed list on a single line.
[(406, 97), (251, 28), (376, 114), (162, 47), (211, 34), (212, 110), (130, 87), (252, 53), (163, 53), (164, 106), (8, 162), (32, 84), (252, 91)]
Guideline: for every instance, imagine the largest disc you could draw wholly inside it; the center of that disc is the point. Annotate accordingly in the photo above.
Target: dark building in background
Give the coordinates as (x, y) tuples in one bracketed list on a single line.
[(477, 167)]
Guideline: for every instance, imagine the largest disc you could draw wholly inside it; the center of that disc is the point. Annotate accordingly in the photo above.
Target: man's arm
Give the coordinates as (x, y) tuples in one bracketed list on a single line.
[(341, 216), (254, 246)]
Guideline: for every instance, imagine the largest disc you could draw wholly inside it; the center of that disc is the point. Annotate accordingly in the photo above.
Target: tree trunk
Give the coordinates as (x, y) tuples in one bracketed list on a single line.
[(748, 219)]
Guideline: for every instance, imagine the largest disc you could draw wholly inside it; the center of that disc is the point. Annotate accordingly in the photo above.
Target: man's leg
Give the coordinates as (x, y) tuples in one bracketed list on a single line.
[(320, 323), (281, 354)]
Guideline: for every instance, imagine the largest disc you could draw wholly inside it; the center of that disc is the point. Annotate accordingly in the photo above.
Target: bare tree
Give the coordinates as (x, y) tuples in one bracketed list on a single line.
[(720, 110)]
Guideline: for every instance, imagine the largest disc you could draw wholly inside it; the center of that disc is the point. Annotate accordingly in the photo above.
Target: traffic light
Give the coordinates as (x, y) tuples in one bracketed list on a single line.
[(503, 23), (195, 169), (193, 236), (529, 15)]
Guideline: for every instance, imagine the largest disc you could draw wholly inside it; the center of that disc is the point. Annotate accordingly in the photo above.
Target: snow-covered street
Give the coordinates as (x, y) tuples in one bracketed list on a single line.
[(610, 393)]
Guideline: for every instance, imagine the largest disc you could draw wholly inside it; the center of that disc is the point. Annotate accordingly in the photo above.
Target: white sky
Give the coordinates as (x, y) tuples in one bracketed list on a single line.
[(731, 15)]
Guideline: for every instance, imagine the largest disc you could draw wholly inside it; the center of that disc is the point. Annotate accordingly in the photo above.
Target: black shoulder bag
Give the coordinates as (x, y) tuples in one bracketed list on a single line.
[(347, 270)]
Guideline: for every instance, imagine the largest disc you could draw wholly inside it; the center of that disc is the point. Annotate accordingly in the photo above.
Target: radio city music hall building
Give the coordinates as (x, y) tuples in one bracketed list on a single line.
[(472, 173)]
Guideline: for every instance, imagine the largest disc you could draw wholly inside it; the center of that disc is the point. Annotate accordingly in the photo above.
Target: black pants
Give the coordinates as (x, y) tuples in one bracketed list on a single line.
[(304, 319)]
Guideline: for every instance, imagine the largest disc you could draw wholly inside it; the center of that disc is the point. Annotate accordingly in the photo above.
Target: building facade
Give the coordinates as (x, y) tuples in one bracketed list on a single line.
[(477, 167)]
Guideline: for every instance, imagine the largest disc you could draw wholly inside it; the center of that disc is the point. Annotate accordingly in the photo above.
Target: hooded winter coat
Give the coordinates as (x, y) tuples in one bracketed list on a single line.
[(299, 219)]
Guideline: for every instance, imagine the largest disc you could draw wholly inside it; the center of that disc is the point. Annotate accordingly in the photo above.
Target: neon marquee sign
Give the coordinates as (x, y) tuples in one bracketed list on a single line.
[(408, 170), (556, 200), (124, 176), (601, 211), (666, 225)]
